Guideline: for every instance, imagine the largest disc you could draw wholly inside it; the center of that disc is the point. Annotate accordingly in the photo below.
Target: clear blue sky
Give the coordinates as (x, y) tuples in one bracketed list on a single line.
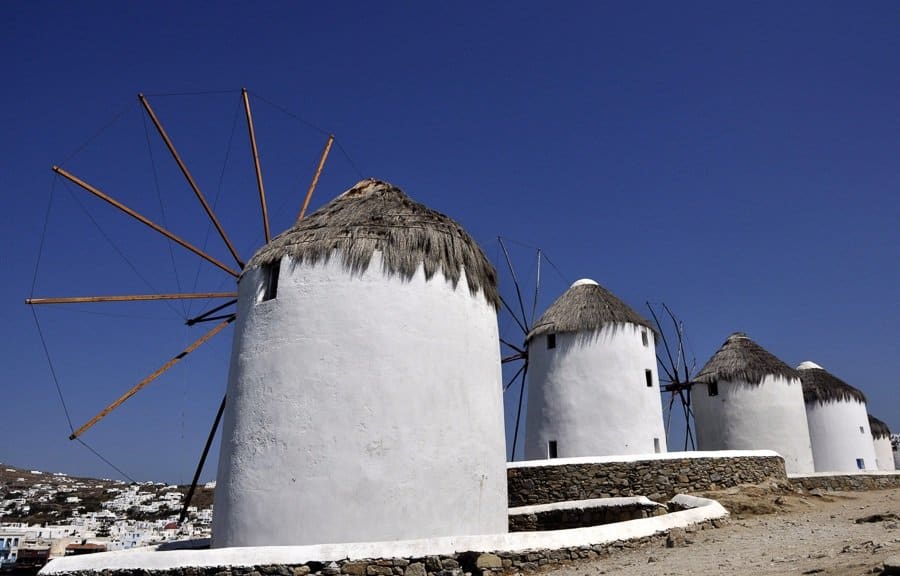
[(737, 161)]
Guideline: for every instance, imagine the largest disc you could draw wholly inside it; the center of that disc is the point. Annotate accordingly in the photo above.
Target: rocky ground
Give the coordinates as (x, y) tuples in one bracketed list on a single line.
[(774, 531)]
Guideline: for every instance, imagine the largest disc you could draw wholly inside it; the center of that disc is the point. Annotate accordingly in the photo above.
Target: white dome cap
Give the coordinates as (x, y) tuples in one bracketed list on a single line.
[(584, 282), (808, 365)]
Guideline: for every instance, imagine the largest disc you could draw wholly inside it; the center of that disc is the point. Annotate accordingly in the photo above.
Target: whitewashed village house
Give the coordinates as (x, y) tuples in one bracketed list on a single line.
[(881, 436), (593, 389), (838, 422), (364, 394), (745, 398)]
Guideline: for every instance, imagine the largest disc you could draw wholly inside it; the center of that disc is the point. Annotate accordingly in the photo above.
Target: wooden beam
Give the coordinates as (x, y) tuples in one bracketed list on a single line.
[(315, 180), (259, 180), (137, 387), (190, 179), (96, 192), (130, 298), (209, 441)]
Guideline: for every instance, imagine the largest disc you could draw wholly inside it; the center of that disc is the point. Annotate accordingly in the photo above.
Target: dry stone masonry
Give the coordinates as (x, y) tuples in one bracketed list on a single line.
[(848, 482), (657, 479), (462, 564)]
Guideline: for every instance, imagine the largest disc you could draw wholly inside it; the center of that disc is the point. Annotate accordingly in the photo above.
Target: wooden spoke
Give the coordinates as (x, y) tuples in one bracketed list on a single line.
[(315, 180), (513, 358), (208, 315), (137, 387), (96, 192), (512, 272), (189, 178), (259, 180), (512, 454), (130, 298), (209, 440)]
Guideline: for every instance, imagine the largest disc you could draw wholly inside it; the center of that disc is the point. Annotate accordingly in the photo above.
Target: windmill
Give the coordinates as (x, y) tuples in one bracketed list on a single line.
[(679, 372), (517, 317), (223, 314)]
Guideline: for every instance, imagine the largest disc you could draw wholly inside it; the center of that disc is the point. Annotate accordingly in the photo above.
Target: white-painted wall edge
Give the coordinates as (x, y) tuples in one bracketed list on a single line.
[(858, 473), (581, 504), (643, 457), (154, 559)]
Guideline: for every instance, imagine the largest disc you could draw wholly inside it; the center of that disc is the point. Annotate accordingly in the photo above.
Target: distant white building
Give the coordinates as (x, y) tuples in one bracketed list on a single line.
[(593, 388), (884, 451), (365, 392), (745, 398), (838, 422)]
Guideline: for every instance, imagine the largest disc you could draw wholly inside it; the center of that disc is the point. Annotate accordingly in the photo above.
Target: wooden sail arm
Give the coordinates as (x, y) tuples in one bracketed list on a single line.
[(315, 180), (190, 179), (156, 374), (96, 192), (130, 298), (253, 149)]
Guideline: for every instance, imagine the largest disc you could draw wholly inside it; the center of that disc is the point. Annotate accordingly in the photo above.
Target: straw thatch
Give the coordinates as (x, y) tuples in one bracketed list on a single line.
[(740, 359), (823, 387), (879, 429), (585, 307), (375, 215)]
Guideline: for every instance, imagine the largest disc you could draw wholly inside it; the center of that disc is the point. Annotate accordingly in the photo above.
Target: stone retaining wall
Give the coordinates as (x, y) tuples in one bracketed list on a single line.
[(462, 564), (848, 482), (590, 513), (655, 478)]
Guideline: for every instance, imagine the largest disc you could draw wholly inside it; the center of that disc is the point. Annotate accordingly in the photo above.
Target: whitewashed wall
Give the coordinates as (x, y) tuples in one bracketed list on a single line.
[(840, 434), (768, 416), (361, 408), (589, 394), (884, 454)]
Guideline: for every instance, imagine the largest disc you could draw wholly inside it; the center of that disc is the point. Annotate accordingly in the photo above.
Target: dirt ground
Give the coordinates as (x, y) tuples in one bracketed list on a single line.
[(775, 532)]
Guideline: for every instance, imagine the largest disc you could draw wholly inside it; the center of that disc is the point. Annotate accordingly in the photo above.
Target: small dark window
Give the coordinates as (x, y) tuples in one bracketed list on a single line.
[(862, 430), (648, 375), (270, 280), (551, 341), (656, 445), (712, 389), (860, 463), (551, 449), (644, 338)]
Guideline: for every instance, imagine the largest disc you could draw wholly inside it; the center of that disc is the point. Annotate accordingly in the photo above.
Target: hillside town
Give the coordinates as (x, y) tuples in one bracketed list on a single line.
[(47, 515)]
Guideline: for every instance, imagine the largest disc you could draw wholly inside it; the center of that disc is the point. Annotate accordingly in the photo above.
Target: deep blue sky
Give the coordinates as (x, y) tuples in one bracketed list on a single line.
[(737, 161)]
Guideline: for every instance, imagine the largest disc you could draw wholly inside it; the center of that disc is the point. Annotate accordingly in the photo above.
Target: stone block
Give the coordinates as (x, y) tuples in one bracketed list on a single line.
[(488, 561), (415, 569), (354, 568)]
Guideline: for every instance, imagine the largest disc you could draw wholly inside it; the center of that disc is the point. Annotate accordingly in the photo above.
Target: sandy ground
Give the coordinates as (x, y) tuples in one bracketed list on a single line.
[(772, 532)]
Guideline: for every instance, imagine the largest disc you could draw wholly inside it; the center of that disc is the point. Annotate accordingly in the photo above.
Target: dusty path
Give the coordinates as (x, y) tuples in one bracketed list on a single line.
[(800, 535)]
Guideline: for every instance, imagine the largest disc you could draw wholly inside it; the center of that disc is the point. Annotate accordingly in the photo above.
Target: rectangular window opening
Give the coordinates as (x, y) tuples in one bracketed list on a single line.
[(712, 389), (862, 430), (656, 445), (551, 449), (270, 280), (648, 375), (860, 464), (551, 341), (644, 338)]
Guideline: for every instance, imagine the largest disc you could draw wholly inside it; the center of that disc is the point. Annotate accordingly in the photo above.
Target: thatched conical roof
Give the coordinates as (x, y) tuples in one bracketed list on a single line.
[(879, 429), (742, 359), (375, 215), (585, 306), (821, 386)]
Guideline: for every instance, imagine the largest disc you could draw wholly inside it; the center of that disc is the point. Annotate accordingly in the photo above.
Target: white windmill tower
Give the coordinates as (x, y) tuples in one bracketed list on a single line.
[(838, 422), (364, 395), (745, 398), (593, 386), (884, 452)]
